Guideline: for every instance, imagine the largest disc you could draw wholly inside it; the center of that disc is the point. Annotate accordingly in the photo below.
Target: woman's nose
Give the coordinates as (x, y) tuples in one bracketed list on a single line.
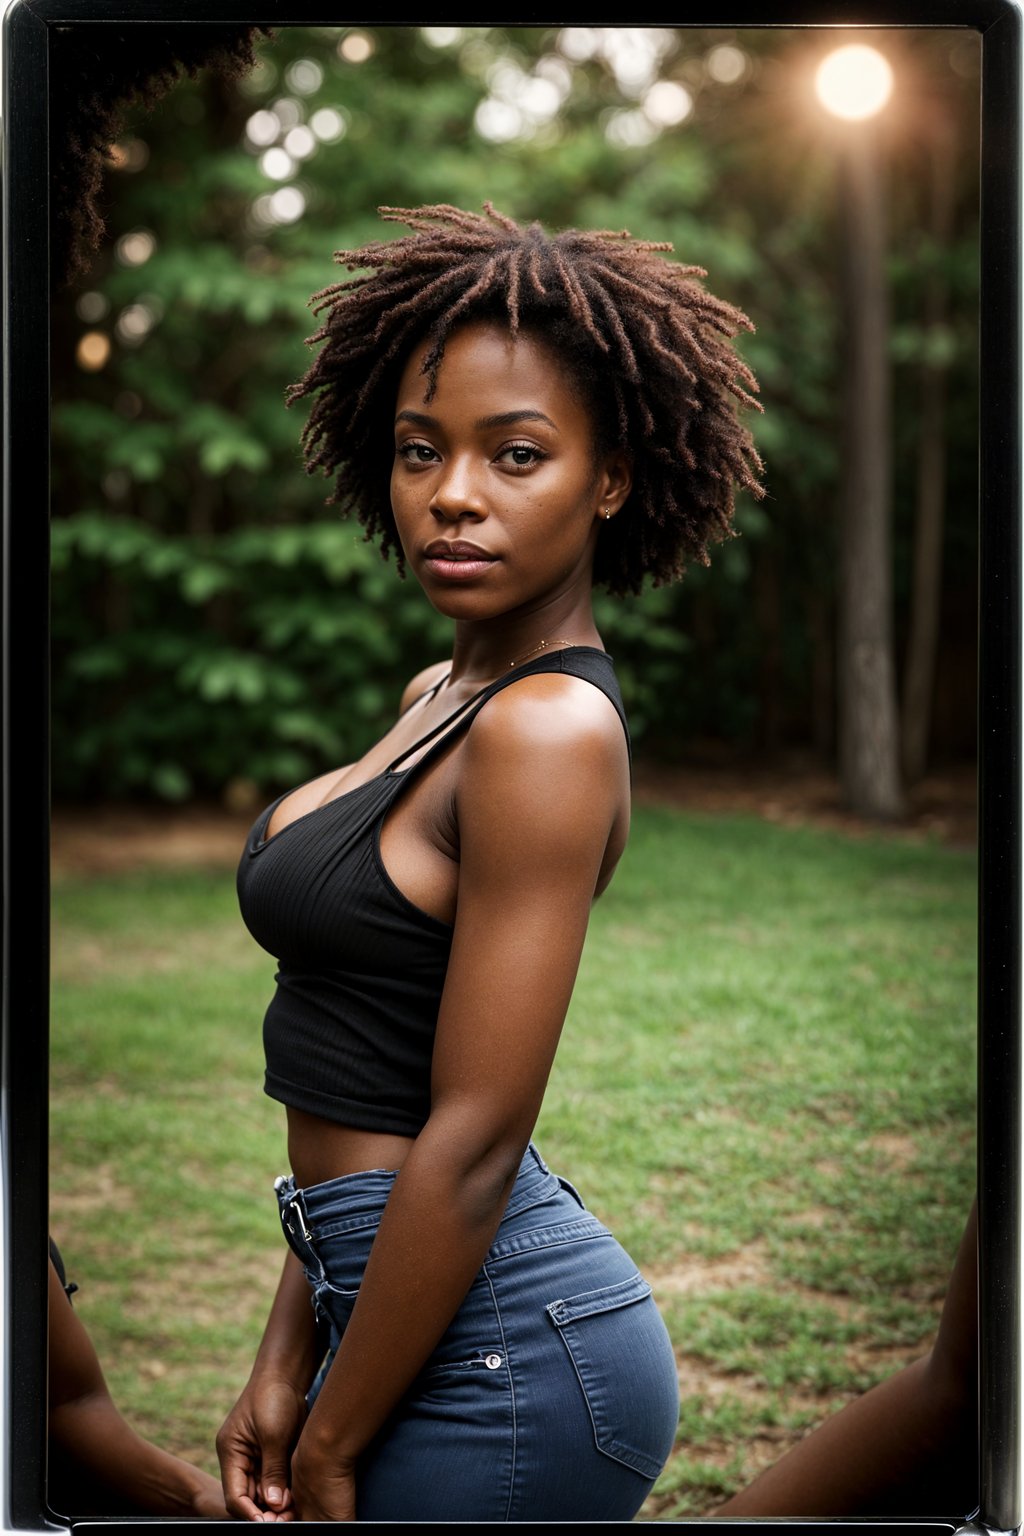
[(458, 493)]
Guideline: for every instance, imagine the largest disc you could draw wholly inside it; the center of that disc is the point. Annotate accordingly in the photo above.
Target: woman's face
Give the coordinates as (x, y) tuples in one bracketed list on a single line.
[(497, 488)]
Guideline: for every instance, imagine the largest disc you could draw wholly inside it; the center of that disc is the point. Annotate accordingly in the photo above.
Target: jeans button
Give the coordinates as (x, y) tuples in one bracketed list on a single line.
[(492, 1362)]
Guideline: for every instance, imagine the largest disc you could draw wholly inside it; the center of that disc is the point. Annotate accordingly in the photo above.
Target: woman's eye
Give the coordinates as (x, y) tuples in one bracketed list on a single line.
[(416, 453), (521, 455)]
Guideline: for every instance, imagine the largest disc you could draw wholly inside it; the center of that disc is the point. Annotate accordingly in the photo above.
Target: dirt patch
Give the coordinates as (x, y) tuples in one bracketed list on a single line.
[(749, 1267), (99, 1189), (886, 1359), (112, 839), (943, 806), (899, 1151), (816, 1217)]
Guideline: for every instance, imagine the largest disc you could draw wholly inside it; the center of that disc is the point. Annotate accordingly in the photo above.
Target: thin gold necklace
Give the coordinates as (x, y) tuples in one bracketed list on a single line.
[(541, 647)]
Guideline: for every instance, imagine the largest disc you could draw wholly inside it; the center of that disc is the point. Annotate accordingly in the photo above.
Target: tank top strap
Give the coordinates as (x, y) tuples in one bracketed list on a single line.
[(577, 661), (450, 720)]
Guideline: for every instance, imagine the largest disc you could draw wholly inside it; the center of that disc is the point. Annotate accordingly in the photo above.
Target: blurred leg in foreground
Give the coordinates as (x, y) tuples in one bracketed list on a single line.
[(909, 1446), (98, 1464)]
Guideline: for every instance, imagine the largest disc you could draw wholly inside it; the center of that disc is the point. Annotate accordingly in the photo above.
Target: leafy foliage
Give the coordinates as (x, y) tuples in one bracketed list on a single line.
[(206, 611)]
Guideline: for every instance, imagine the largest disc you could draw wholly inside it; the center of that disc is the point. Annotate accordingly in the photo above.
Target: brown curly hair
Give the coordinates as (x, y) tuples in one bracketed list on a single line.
[(649, 347)]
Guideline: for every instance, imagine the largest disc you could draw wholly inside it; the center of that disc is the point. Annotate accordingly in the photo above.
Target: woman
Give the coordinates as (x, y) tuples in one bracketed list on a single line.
[(96, 1462), (907, 1445), (522, 417)]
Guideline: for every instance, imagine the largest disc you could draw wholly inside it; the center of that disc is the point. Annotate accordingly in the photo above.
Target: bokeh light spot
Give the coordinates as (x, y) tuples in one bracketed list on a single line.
[(91, 306), (668, 103), (263, 128), (277, 163), (854, 82), (304, 76), (629, 130), (442, 37), (356, 47), (93, 351), (300, 142), (287, 204), (726, 64), (135, 248), (328, 125)]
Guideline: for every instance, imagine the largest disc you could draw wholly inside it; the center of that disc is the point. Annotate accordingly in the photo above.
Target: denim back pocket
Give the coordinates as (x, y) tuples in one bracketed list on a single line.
[(623, 1358)]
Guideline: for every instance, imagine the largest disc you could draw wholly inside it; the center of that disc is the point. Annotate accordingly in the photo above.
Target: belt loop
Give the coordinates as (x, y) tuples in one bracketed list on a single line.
[(295, 1219), (298, 1207)]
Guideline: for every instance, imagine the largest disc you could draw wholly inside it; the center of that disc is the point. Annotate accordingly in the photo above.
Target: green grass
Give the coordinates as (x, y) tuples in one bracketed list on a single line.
[(765, 1087)]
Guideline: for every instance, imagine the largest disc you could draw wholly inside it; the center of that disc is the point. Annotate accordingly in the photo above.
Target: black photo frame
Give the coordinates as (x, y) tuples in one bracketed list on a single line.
[(23, 1110)]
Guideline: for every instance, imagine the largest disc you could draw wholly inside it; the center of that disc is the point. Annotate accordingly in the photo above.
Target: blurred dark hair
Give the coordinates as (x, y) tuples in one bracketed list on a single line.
[(97, 73)]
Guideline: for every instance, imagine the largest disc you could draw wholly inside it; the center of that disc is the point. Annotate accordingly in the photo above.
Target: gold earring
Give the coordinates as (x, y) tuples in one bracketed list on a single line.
[(607, 513)]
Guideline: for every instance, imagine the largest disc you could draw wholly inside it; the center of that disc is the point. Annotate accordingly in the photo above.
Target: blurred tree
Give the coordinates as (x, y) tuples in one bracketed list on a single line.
[(926, 589), (869, 737)]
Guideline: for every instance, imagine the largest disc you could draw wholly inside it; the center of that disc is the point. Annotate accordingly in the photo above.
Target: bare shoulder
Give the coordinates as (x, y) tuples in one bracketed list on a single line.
[(551, 726), (422, 682)]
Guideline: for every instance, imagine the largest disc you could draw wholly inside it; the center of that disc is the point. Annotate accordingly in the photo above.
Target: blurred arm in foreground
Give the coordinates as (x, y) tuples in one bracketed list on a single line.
[(907, 1446)]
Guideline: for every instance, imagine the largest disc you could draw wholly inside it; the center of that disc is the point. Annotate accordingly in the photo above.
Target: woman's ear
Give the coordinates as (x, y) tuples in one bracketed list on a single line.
[(614, 484)]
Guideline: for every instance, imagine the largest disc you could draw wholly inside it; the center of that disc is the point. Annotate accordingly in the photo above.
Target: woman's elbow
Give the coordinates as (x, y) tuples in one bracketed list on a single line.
[(481, 1155)]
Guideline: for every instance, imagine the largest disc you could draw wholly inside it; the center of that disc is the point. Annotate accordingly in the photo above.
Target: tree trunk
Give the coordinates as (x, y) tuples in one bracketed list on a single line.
[(823, 682), (926, 580), (768, 607), (868, 723)]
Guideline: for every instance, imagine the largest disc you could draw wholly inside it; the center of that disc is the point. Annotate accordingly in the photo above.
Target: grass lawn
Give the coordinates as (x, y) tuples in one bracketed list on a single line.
[(765, 1087)]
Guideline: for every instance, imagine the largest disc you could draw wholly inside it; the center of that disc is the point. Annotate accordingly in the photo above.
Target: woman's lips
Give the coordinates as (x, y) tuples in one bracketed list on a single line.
[(461, 569), (457, 561)]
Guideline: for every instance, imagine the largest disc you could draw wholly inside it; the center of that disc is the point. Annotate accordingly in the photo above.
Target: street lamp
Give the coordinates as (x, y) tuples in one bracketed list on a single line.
[(853, 83)]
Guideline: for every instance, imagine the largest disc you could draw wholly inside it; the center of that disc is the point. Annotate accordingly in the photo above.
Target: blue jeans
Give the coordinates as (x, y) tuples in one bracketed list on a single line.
[(553, 1395)]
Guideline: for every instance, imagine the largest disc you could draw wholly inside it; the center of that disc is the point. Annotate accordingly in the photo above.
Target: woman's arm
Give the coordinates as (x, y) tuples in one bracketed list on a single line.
[(907, 1446), (96, 1458), (542, 779), (256, 1440)]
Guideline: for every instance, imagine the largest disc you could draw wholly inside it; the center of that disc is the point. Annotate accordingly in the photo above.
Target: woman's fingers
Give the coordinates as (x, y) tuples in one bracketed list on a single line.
[(274, 1490), (238, 1456), (254, 1448)]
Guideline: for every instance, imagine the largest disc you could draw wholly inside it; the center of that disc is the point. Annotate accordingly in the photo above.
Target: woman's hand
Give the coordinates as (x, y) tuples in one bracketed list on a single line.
[(255, 1445), (323, 1488)]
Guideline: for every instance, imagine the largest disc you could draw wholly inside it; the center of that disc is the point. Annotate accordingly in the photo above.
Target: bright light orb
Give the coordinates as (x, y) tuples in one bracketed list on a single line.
[(442, 37), (135, 248), (263, 128), (134, 324), (277, 163), (726, 64), (92, 351), (668, 103), (300, 142), (286, 205), (497, 120), (854, 82), (356, 47), (304, 76), (328, 125)]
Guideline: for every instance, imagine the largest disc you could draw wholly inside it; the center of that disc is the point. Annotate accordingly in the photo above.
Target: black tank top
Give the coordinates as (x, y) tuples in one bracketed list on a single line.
[(349, 1032)]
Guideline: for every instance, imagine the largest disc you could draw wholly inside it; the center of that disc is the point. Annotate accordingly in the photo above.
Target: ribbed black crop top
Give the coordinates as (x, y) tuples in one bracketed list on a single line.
[(349, 1032)]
